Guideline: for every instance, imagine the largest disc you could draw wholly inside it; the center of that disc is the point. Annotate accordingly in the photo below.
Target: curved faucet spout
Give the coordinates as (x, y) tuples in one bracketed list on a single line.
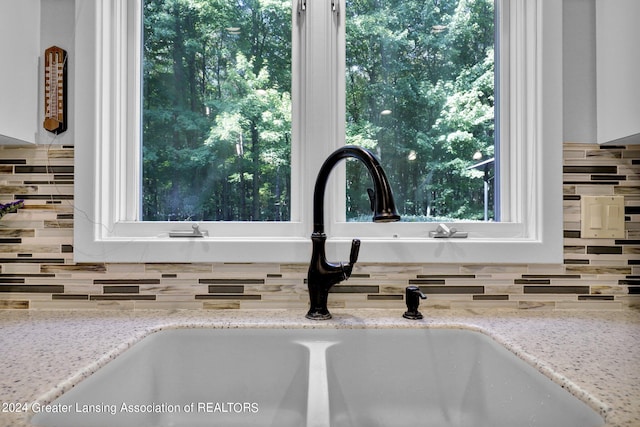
[(322, 273), (383, 205)]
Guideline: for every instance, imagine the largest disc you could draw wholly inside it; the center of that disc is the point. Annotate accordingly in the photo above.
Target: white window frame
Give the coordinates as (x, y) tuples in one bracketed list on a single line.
[(107, 161)]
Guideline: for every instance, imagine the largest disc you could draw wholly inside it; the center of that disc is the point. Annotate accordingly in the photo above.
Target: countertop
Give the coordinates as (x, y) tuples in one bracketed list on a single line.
[(593, 354)]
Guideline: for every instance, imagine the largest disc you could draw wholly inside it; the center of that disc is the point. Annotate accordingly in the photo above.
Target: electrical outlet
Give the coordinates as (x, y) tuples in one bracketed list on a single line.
[(602, 217)]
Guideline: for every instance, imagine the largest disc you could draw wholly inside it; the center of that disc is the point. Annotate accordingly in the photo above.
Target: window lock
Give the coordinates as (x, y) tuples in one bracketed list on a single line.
[(195, 232), (445, 232)]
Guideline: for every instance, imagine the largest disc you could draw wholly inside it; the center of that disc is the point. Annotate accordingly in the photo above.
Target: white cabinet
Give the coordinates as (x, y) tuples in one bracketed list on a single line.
[(618, 71), (19, 70), (601, 61)]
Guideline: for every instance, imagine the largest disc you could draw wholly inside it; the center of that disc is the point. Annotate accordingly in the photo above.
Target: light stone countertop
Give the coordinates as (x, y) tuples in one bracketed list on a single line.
[(593, 354)]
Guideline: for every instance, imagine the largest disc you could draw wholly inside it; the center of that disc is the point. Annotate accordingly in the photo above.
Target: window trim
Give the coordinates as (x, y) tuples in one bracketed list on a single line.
[(106, 161)]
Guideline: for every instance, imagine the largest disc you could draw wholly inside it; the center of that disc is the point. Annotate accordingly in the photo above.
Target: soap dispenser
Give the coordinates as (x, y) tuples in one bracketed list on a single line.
[(413, 294)]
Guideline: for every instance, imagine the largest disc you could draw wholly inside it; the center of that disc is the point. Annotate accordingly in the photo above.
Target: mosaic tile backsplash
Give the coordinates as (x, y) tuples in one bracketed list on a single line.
[(37, 270)]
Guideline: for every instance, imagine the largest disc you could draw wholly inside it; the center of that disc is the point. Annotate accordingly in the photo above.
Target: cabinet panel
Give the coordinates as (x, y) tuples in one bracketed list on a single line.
[(20, 45), (617, 69)]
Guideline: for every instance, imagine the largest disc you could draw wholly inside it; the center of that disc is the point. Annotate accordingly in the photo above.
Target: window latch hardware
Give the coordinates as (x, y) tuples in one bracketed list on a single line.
[(335, 7), (445, 232), (302, 6), (195, 232)]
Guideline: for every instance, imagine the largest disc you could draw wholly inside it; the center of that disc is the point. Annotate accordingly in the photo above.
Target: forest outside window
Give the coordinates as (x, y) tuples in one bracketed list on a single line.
[(420, 92), (238, 105), (217, 108)]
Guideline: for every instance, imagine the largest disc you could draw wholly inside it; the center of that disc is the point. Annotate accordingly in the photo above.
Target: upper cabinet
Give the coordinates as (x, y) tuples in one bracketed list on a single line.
[(618, 71), (20, 47), (601, 60)]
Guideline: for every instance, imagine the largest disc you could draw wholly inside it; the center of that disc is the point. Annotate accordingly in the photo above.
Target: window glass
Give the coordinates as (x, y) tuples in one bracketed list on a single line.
[(216, 110), (420, 94)]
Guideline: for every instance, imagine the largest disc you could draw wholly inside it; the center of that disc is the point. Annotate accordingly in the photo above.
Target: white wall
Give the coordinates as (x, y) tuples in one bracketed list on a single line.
[(57, 20), (27, 28)]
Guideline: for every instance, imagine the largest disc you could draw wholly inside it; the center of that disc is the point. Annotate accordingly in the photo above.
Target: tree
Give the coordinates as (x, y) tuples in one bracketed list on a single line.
[(213, 68), (420, 94), (217, 106)]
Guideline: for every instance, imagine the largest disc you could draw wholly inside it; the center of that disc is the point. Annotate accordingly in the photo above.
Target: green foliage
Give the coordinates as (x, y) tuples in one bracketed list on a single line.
[(217, 106), (216, 110), (420, 77)]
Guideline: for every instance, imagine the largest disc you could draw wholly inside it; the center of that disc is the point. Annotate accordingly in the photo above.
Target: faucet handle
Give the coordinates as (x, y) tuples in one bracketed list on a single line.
[(355, 250)]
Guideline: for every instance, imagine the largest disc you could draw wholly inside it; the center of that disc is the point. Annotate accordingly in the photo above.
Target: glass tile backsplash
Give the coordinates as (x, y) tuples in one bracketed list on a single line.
[(37, 269)]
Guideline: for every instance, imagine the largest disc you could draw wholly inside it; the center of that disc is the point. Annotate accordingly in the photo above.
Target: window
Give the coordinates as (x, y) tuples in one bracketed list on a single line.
[(108, 226), (420, 93), (216, 110)]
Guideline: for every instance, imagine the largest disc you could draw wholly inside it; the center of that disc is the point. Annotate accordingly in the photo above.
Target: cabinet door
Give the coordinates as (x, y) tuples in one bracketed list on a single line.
[(618, 70), (20, 45)]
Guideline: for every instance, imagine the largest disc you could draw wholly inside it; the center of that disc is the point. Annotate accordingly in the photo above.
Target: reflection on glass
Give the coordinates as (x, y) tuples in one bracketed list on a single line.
[(216, 110), (420, 94)]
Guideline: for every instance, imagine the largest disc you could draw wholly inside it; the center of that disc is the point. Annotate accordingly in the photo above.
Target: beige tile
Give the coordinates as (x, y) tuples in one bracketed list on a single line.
[(168, 305), (589, 305), (494, 269), (178, 268), (590, 269), (613, 289), (221, 305), (381, 304), (125, 268), (274, 305), (8, 304), (288, 289), (74, 268), (483, 304), (30, 249), (245, 268), (536, 305)]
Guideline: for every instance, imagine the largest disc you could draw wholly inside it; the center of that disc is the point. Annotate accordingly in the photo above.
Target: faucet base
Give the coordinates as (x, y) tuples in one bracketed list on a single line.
[(318, 314), (413, 315)]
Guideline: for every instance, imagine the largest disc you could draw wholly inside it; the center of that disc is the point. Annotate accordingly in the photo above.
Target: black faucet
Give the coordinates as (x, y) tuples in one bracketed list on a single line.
[(322, 273)]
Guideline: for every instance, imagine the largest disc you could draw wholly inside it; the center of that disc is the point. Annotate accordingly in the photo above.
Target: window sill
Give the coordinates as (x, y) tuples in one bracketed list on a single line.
[(298, 250)]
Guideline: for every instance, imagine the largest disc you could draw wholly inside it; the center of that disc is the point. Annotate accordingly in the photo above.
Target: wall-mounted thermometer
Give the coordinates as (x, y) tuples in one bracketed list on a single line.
[(55, 90)]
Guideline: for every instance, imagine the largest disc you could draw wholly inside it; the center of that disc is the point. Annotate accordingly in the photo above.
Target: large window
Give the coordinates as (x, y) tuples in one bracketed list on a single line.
[(235, 106)]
